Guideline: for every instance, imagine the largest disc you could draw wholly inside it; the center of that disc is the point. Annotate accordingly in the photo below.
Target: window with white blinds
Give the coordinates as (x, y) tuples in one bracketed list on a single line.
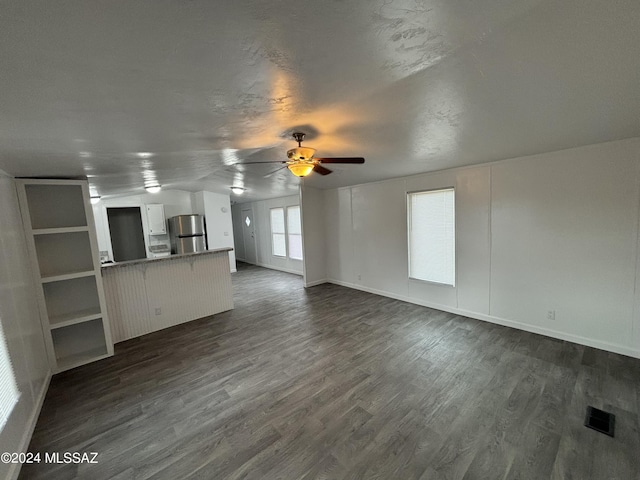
[(432, 236), (278, 240), (8, 389), (294, 232)]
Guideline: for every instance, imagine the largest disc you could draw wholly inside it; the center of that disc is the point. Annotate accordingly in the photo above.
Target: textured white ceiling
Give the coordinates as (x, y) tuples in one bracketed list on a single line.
[(412, 86)]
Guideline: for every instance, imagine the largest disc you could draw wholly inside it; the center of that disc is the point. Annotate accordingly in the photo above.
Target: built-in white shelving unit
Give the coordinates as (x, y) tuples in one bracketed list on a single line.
[(59, 226)]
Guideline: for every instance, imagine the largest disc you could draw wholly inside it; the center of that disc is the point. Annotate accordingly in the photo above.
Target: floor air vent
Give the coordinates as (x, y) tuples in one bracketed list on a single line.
[(600, 421)]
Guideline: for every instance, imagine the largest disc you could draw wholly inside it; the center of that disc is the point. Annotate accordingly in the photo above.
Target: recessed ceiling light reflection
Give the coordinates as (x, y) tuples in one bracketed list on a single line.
[(229, 156)]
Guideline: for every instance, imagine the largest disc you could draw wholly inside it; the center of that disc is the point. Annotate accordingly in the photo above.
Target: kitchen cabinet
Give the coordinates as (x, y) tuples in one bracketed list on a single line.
[(61, 240), (155, 219)]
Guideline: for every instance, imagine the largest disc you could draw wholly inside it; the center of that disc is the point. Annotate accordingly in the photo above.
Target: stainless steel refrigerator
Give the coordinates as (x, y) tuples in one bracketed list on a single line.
[(187, 234)]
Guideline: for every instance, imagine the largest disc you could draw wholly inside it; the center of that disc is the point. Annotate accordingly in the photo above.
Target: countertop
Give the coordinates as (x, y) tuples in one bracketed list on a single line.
[(161, 259)]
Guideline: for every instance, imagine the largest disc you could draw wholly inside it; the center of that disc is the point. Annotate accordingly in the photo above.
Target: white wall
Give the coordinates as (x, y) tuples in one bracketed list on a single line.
[(557, 231), (313, 242), (263, 233), (21, 324), (216, 209), (569, 220)]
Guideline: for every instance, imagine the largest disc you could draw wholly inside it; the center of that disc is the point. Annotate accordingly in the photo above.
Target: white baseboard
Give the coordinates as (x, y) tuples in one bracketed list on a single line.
[(548, 332), (317, 282), (280, 269), (234, 270), (26, 438)]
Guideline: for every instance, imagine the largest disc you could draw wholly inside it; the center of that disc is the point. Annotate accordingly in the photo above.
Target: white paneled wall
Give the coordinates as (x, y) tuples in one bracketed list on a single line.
[(125, 292), (553, 232), (21, 323), (375, 211), (338, 226), (262, 230), (313, 241), (216, 209), (568, 221), (149, 296)]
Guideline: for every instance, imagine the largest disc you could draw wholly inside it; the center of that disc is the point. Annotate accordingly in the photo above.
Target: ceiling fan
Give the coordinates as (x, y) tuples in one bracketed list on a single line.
[(302, 161)]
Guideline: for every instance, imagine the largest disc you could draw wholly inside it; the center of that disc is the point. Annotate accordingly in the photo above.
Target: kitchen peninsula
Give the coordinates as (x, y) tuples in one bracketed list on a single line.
[(147, 295)]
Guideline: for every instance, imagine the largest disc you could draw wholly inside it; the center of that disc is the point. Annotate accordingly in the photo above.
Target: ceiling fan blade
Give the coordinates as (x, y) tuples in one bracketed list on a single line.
[(321, 170), (341, 160), (274, 172), (253, 163)]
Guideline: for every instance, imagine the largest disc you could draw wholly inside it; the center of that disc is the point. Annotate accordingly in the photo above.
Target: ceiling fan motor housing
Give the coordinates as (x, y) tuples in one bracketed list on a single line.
[(301, 154)]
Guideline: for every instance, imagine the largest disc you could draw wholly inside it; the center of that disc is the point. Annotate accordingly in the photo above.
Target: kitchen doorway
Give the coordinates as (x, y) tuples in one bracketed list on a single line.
[(127, 234)]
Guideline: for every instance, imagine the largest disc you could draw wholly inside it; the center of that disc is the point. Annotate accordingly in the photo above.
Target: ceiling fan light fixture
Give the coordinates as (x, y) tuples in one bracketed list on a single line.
[(237, 190), (300, 169), (301, 161), (153, 188)]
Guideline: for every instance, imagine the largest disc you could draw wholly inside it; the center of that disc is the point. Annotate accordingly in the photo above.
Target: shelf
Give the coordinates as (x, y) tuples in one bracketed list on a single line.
[(71, 301), (72, 318), (63, 253), (56, 206), (77, 360), (68, 276), (79, 343), (50, 231), (62, 244)]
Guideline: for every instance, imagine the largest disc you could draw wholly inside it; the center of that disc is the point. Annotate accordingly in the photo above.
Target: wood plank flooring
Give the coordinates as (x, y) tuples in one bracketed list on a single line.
[(333, 383)]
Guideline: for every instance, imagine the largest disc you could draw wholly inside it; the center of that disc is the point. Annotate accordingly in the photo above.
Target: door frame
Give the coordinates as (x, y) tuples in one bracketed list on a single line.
[(143, 217)]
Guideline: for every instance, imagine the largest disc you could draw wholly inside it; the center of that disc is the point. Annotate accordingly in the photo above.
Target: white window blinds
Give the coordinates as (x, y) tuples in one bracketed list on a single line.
[(294, 230), (8, 389), (278, 241), (432, 243)]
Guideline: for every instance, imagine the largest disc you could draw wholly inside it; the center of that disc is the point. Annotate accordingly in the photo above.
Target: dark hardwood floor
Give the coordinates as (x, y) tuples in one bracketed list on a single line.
[(333, 383)]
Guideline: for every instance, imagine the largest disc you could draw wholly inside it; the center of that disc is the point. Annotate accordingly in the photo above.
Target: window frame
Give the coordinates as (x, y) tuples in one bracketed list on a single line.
[(298, 234), (455, 237), (10, 389), (284, 233)]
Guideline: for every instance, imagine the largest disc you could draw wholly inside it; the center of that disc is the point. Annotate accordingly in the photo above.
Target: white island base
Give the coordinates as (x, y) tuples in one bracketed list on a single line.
[(147, 295)]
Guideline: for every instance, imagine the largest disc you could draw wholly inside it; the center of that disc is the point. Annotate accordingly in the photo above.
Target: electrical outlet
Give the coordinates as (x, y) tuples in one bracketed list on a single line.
[(359, 277), (158, 311), (551, 315)]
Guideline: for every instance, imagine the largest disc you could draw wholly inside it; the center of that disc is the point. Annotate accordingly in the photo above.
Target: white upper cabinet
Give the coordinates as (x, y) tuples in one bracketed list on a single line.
[(156, 220)]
